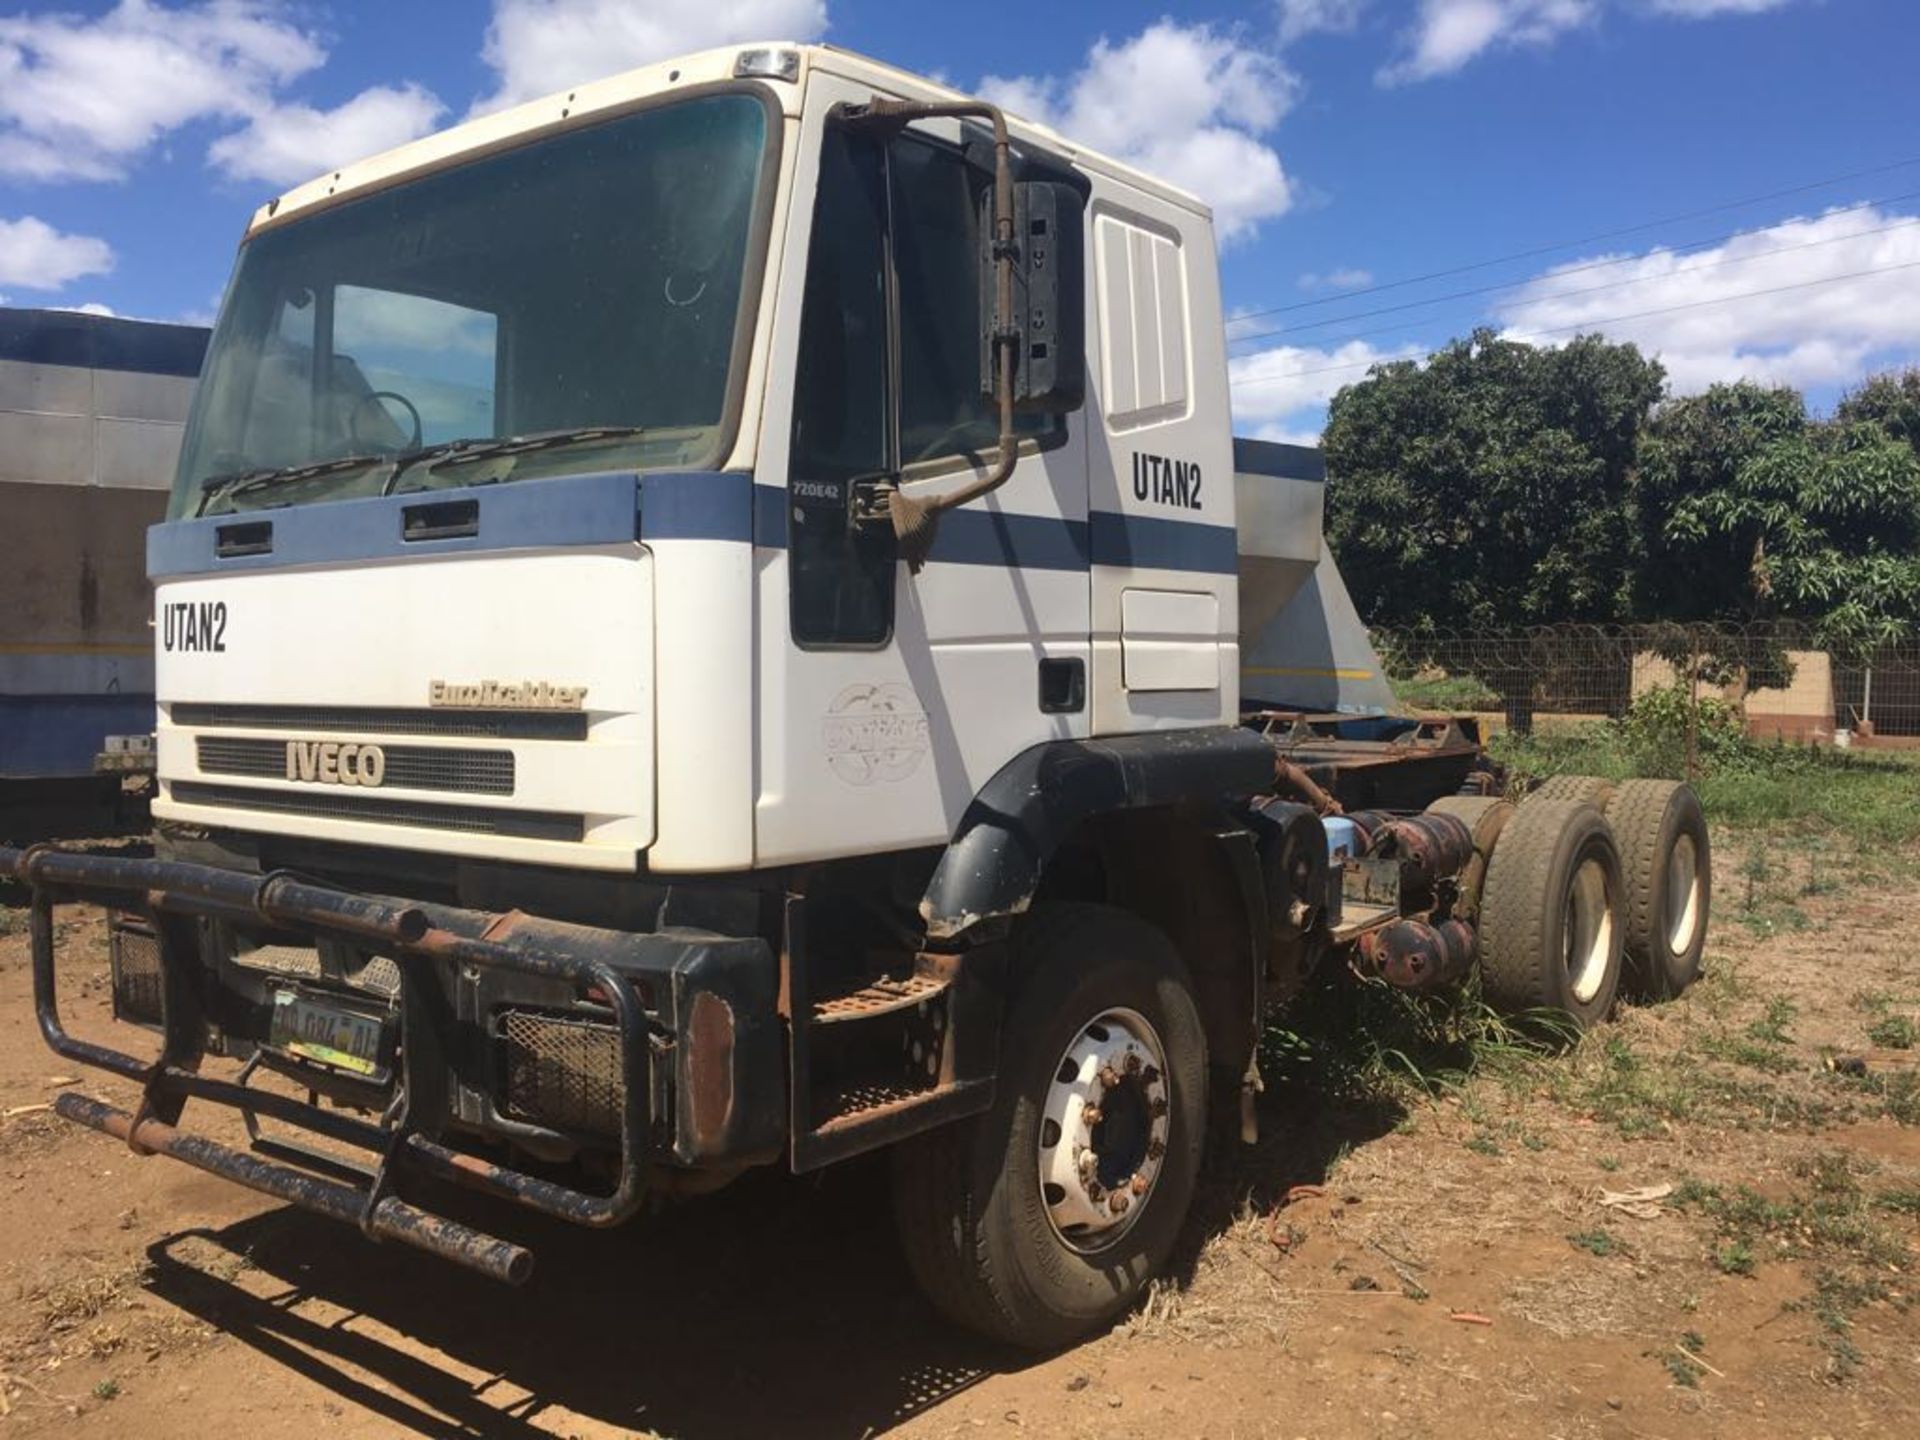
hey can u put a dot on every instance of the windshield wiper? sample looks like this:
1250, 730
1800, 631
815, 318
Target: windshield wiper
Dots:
241, 482
462, 452
446, 452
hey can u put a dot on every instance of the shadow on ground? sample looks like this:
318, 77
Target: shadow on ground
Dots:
779, 1305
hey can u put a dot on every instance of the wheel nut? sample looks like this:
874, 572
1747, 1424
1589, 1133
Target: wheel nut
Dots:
1090, 1114
1119, 1201
1155, 1149
1158, 1108
1138, 1185
1096, 1191
1133, 1062
1109, 1077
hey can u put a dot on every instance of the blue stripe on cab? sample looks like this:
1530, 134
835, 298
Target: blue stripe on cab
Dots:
565, 510
1148, 542
697, 505
615, 506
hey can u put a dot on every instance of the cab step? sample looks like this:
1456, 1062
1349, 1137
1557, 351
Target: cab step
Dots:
883, 996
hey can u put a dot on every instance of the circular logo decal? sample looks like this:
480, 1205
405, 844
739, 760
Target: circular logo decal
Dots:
875, 733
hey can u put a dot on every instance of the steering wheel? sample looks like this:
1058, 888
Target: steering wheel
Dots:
373, 397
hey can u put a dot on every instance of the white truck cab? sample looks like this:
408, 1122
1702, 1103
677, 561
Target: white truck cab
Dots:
700, 623
787, 302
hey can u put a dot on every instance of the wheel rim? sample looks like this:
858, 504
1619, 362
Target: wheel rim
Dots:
1588, 930
1683, 895
1103, 1130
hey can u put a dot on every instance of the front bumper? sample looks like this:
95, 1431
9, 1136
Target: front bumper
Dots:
687, 1021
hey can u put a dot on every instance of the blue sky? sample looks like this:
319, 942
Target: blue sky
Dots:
1347, 145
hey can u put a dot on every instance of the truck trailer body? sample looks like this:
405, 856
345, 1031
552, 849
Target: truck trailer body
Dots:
717, 619
91, 410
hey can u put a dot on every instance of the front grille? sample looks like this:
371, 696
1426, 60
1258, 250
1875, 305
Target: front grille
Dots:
411, 767
467, 819
387, 720
133, 955
562, 1071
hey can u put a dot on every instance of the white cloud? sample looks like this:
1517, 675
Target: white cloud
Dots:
536, 47
1347, 277
1702, 9
286, 144
1186, 103
1447, 34
1826, 322
35, 255
1289, 434
1284, 383
82, 97
1299, 18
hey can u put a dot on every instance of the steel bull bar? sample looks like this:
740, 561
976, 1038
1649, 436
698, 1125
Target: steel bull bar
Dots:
173, 895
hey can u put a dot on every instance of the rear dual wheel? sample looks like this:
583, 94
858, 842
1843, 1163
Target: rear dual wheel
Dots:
1045, 1217
1668, 869
1550, 932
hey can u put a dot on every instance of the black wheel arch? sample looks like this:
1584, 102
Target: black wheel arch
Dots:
1156, 811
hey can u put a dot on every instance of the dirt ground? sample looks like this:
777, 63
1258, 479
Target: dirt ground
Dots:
1453, 1266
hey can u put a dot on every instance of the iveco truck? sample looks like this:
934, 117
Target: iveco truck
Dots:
717, 620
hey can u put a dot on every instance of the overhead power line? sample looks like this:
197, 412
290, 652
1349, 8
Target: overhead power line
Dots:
1908, 222
1539, 250
1692, 247
1587, 325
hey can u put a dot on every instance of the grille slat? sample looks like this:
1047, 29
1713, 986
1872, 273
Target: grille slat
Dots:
134, 961
562, 1071
468, 819
411, 767
386, 720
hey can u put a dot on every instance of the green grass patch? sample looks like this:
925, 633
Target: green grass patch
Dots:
1829, 1219
1872, 799
1894, 1032
1595, 1242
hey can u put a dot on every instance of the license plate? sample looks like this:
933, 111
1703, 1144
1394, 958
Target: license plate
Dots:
330, 1034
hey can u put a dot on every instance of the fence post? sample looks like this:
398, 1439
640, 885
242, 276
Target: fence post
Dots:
1693, 710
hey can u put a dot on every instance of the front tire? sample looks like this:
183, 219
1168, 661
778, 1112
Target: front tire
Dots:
1032, 1223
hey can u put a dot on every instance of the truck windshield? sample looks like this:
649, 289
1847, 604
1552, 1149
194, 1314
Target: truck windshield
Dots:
589, 289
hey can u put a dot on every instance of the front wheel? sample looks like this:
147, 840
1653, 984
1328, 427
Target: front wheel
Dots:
1045, 1217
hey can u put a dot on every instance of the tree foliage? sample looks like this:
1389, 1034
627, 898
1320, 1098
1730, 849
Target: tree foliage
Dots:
1500, 485
1750, 511
1489, 486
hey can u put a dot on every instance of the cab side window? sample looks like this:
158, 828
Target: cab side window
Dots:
889, 368
841, 575
939, 202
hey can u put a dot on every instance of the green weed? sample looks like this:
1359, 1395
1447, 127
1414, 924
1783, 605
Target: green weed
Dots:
1894, 1032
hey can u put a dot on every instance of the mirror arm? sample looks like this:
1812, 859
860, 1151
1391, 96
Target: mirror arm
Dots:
913, 519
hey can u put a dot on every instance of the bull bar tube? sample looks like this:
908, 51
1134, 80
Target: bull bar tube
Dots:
172, 892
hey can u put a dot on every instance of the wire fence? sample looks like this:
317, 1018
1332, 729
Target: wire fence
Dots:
1780, 678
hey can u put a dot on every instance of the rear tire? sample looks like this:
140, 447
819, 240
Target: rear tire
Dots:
995, 1243
1550, 931
1587, 789
1667, 864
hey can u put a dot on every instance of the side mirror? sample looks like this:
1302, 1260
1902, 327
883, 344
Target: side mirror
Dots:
1049, 298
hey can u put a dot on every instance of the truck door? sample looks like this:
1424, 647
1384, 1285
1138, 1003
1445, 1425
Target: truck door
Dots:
1165, 555
889, 698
